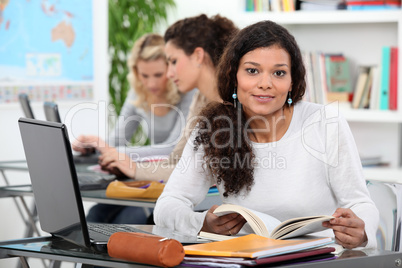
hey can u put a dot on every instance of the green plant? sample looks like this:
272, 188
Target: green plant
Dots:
129, 20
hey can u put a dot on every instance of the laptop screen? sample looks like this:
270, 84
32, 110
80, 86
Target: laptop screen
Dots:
58, 200
26, 105
51, 111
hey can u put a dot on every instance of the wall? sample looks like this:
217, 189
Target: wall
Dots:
85, 120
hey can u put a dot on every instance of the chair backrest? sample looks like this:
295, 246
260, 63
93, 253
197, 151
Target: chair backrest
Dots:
51, 112
385, 196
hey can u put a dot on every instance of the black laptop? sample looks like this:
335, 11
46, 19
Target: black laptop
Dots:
51, 111
52, 114
87, 181
49, 149
55, 186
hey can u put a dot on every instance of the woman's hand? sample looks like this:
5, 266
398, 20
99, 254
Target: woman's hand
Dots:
229, 224
348, 228
87, 144
117, 163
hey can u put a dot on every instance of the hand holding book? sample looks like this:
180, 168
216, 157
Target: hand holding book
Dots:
260, 223
228, 224
348, 228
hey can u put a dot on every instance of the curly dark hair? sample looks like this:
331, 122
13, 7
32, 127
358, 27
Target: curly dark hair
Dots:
222, 132
212, 34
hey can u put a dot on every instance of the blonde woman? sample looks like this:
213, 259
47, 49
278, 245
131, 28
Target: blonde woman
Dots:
153, 102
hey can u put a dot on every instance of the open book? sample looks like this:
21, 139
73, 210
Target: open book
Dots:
268, 226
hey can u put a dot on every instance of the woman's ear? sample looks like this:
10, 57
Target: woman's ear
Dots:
199, 54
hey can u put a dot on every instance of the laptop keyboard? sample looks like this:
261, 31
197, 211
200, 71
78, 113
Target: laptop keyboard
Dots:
88, 181
109, 229
94, 177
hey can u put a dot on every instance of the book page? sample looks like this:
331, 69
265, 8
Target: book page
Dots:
268, 221
262, 224
300, 226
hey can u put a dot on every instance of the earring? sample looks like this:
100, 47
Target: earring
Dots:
234, 96
289, 99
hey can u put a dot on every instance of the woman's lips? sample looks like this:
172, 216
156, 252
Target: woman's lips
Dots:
263, 98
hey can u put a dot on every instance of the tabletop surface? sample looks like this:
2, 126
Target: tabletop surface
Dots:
58, 249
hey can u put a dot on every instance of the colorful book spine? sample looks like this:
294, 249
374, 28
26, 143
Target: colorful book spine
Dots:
337, 73
249, 5
384, 90
362, 78
393, 79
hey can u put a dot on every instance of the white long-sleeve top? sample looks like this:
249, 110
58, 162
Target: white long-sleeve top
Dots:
312, 170
163, 131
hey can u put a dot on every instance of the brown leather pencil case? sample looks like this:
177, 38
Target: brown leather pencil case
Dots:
145, 248
134, 189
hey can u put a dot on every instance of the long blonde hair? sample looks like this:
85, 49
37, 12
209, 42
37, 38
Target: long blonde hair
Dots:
149, 47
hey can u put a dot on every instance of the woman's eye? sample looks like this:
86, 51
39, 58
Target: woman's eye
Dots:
279, 73
252, 71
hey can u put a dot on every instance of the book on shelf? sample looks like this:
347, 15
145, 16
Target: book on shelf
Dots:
310, 88
323, 253
384, 88
276, 5
269, 5
365, 100
374, 96
320, 5
393, 79
255, 246
361, 86
337, 73
373, 4
328, 77
288, 5
319, 77
268, 226
323, 75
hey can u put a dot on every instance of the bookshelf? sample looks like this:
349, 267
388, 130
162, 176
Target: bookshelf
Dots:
392, 175
370, 116
360, 36
323, 17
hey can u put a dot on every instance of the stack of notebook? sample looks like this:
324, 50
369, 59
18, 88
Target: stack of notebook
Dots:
252, 250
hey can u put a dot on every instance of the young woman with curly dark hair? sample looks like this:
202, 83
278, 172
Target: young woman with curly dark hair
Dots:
268, 150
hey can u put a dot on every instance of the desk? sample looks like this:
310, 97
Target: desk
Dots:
59, 250
97, 196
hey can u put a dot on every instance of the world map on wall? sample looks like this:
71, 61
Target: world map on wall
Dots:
47, 42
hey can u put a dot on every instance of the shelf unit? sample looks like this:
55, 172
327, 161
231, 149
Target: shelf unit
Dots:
359, 35
391, 175
323, 17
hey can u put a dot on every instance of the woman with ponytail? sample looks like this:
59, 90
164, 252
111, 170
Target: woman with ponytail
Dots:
193, 48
